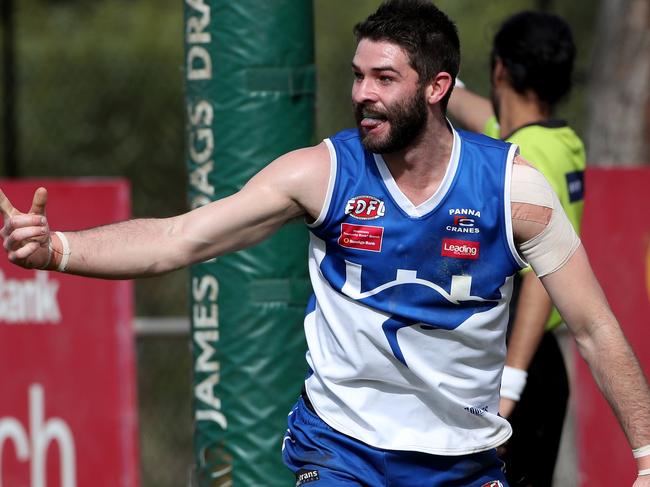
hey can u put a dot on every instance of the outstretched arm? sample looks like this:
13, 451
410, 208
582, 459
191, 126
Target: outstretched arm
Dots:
470, 109
291, 186
556, 255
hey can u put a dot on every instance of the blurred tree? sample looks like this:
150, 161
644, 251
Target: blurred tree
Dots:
619, 97
9, 140
100, 93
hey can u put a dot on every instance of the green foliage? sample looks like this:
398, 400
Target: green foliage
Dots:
100, 94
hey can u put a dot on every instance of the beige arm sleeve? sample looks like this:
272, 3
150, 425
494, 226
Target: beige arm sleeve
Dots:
531, 196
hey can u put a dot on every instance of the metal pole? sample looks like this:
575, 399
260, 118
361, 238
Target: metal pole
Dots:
10, 152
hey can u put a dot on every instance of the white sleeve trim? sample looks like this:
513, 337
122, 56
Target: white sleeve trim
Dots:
507, 204
330, 185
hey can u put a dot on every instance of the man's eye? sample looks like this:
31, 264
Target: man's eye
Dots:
357, 76
385, 80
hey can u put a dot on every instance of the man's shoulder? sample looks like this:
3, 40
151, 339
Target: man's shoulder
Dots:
346, 145
346, 136
482, 140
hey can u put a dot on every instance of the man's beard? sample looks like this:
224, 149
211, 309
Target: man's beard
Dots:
407, 120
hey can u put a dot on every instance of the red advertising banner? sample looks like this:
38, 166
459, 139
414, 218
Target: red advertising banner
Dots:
616, 234
67, 369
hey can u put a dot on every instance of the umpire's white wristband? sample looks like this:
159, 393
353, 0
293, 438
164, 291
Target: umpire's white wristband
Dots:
513, 382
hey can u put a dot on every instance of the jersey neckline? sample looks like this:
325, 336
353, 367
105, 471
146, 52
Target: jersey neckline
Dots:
434, 200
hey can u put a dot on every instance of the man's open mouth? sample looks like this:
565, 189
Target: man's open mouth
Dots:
371, 120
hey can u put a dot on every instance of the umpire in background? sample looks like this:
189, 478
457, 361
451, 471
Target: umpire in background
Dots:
531, 65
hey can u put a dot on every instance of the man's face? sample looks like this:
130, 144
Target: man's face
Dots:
388, 101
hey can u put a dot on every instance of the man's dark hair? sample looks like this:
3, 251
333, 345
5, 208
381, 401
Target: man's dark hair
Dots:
537, 50
428, 36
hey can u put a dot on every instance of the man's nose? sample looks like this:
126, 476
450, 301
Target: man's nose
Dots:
364, 91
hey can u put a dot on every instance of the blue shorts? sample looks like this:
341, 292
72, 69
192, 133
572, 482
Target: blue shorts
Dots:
320, 455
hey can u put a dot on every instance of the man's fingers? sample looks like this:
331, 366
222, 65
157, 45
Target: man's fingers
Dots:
20, 236
39, 202
24, 252
6, 207
27, 220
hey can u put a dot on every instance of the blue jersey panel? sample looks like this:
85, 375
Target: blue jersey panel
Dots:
406, 265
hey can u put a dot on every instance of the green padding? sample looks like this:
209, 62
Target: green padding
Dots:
290, 291
250, 98
294, 81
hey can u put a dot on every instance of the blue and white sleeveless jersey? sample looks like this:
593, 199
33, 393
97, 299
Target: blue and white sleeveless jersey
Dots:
406, 329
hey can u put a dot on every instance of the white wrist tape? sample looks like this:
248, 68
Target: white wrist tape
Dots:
642, 451
645, 471
65, 252
513, 382
49, 257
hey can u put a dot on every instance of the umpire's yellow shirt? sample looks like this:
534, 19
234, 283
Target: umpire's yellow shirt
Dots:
555, 150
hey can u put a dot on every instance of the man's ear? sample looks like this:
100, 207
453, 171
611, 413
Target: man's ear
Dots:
499, 72
438, 87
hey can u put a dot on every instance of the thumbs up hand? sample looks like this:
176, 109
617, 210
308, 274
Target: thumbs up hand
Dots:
26, 236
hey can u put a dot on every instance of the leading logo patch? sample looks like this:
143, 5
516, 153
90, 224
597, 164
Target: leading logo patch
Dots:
460, 249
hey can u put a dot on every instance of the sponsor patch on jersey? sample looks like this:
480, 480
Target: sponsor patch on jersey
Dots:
365, 207
361, 237
469, 212
464, 220
460, 249
476, 410
492, 483
306, 476
575, 182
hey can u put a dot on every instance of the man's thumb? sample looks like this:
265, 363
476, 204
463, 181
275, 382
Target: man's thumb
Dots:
39, 202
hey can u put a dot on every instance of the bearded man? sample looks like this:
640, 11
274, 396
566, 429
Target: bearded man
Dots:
406, 328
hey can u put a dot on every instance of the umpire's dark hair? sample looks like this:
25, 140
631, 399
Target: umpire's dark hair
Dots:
537, 50
428, 36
